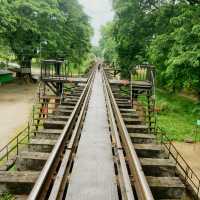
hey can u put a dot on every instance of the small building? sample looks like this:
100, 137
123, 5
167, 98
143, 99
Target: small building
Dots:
54, 75
5, 76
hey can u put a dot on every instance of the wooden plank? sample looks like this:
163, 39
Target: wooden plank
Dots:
141, 83
21, 197
93, 175
77, 80
34, 155
135, 83
166, 187
18, 177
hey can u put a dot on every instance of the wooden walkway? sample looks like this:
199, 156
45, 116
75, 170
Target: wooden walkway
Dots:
93, 174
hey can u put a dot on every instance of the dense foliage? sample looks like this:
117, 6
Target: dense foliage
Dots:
47, 28
176, 51
109, 53
163, 33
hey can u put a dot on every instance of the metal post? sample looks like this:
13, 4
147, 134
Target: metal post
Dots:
40, 51
186, 173
177, 158
149, 111
28, 132
169, 149
17, 145
131, 91
33, 114
162, 138
7, 152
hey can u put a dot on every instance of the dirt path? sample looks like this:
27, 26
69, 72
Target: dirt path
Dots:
190, 152
16, 102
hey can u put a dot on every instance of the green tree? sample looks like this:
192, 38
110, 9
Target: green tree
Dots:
163, 33
78, 32
108, 44
176, 50
58, 27
133, 30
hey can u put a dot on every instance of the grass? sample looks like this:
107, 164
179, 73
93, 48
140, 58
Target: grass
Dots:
7, 196
178, 116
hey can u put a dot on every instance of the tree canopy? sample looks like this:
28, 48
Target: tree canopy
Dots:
108, 44
50, 28
163, 33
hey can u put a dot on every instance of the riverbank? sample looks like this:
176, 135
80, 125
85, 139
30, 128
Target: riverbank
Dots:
16, 102
178, 116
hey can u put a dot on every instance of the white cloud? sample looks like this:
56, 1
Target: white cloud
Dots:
100, 12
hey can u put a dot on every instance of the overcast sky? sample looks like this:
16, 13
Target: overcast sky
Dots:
100, 12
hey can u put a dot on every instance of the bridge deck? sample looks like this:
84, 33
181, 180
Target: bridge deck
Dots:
93, 173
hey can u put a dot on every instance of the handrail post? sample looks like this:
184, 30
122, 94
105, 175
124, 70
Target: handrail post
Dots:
186, 173
169, 149
131, 84
177, 154
28, 132
7, 152
162, 138
33, 114
17, 146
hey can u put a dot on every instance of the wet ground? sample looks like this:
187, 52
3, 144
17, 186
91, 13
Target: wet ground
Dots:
191, 153
16, 102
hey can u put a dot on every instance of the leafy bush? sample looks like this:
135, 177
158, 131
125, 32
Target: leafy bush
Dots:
6, 196
163, 107
2, 65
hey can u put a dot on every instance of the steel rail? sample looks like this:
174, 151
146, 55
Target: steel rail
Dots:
63, 173
43, 182
141, 186
124, 180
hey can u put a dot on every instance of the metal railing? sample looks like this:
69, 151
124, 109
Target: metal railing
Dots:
53, 69
187, 174
40, 111
11, 150
140, 76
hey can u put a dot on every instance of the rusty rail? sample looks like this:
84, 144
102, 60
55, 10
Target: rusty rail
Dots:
140, 183
186, 172
124, 181
61, 179
46, 178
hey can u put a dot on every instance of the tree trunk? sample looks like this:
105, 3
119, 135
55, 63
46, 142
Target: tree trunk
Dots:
198, 96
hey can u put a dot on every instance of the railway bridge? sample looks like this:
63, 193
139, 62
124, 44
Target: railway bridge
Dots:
89, 141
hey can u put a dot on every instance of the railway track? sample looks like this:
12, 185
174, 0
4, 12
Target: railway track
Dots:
46, 149
152, 174
126, 164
